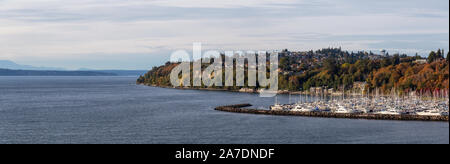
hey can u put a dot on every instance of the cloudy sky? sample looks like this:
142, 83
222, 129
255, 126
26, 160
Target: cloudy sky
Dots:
138, 34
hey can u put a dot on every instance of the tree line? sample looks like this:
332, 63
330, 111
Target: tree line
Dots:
334, 68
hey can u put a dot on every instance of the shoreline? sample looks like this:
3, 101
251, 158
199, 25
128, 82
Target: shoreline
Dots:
226, 90
255, 92
197, 89
240, 108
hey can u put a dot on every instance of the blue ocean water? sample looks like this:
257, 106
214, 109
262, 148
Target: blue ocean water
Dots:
115, 110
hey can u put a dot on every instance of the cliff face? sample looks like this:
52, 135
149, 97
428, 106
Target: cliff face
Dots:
158, 76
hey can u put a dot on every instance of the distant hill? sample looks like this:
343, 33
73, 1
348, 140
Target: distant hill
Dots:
6, 64
10, 68
121, 72
9, 72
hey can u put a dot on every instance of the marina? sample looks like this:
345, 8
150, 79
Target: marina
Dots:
243, 108
413, 104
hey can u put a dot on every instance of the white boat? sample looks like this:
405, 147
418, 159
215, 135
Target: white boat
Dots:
384, 112
362, 109
305, 108
391, 111
342, 109
297, 108
308, 109
277, 107
430, 113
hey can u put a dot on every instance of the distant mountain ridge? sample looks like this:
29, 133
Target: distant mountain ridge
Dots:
6, 64
8, 72
10, 68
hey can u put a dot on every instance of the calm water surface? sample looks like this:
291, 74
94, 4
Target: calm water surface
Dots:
115, 110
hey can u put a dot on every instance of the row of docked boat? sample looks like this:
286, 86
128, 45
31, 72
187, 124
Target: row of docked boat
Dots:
383, 105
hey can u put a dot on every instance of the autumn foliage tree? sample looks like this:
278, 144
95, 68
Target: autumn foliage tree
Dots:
338, 68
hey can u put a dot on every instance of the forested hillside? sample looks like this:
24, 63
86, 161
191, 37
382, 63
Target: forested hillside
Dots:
334, 68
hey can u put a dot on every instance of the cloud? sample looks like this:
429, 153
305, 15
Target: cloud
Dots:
51, 31
225, 3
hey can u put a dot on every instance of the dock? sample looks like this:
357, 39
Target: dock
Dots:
242, 108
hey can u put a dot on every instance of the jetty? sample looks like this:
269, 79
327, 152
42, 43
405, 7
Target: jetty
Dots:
243, 108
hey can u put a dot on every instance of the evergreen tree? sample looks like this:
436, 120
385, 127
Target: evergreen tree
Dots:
396, 59
386, 62
331, 65
432, 57
439, 54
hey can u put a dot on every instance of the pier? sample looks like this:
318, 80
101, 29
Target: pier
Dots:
242, 108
